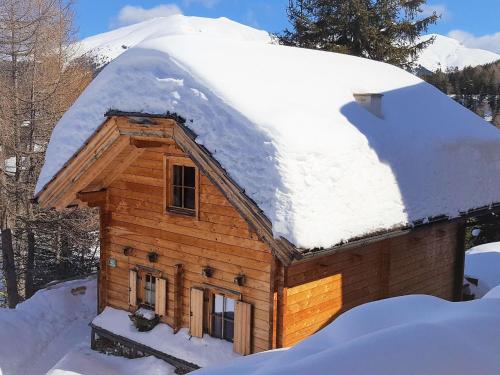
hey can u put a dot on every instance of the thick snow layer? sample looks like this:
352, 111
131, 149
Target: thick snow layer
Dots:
447, 52
483, 263
39, 331
284, 124
405, 335
202, 352
83, 361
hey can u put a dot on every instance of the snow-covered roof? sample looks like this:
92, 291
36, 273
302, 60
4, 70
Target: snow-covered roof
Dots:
284, 124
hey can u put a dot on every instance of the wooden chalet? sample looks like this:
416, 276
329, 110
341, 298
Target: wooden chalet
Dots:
304, 183
180, 237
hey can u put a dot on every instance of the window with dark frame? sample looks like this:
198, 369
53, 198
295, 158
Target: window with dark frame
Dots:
149, 290
222, 317
183, 188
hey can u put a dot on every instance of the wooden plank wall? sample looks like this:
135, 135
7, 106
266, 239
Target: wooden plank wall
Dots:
220, 239
318, 290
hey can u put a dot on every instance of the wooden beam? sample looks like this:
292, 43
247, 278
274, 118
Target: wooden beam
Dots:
178, 293
141, 143
95, 146
93, 198
459, 262
91, 172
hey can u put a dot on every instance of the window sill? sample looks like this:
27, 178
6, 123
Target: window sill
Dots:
182, 211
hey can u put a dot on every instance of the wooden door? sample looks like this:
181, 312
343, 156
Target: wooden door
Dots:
132, 287
242, 328
161, 297
196, 313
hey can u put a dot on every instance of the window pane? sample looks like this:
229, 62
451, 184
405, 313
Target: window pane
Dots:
228, 330
177, 175
229, 311
189, 198
177, 196
189, 175
218, 303
217, 326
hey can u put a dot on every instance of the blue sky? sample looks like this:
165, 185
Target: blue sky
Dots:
474, 22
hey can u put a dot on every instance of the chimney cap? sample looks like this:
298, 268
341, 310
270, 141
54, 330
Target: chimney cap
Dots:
372, 102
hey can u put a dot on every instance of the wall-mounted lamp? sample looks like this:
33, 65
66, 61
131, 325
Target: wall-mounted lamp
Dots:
112, 262
127, 251
153, 257
239, 280
207, 271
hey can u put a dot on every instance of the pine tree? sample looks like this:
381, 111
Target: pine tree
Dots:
383, 30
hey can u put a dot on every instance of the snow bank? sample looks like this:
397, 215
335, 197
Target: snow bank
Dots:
284, 124
42, 329
447, 52
203, 352
406, 335
483, 263
83, 361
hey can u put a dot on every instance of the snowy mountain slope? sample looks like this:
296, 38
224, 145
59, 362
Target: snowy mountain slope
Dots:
447, 52
108, 46
321, 167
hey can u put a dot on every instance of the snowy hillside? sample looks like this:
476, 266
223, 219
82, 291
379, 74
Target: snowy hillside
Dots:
447, 52
110, 45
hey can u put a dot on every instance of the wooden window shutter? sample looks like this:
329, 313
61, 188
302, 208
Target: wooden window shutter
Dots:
132, 287
161, 297
242, 328
196, 313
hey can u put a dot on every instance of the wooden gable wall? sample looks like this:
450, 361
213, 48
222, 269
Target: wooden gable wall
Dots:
423, 261
134, 217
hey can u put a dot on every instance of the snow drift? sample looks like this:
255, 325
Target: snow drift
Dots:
405, 335
284, 124
482, 262
35, 334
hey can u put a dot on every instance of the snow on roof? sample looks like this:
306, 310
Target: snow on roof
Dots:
283, 122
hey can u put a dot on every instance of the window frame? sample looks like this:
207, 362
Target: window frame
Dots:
212, 294
141, 296
168, 167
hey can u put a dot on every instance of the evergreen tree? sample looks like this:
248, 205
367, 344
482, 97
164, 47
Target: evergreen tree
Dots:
383, 30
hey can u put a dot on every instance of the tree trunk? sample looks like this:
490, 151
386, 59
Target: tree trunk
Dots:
9, 268
30, 267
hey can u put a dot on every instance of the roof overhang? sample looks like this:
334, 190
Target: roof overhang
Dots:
119, 141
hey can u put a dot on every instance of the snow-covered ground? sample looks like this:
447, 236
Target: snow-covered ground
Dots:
83, 361
405, 335
36, 334
447, 52
202, 352
483, 263
51, 330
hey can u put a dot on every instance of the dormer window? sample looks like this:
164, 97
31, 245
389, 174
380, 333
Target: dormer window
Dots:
182, 196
